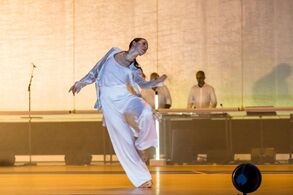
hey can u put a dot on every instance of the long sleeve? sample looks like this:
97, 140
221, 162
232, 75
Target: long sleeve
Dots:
213, 98
167, 95
138, 78
92, 75
191, 99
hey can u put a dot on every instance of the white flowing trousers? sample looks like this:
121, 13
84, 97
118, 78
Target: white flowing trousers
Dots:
131, 126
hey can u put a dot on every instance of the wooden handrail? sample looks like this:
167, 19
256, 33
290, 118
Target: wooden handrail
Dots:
49, 112
173, 110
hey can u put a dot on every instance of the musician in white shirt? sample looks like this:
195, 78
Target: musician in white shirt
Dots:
201, 95
164, 97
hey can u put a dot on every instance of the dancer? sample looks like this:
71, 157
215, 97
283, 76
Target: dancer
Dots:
128, 118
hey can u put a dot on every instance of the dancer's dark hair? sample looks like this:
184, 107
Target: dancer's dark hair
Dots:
136, 64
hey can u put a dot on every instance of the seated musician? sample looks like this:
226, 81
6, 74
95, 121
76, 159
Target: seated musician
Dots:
201, 95
164, 97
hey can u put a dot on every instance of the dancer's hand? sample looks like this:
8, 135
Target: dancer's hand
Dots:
75, 88
161, 78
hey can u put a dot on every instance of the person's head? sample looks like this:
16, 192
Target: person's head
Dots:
154, 76
140, 45
200, 77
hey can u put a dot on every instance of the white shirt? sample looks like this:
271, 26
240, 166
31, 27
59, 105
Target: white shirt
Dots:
163, 95
202, 97
96, 73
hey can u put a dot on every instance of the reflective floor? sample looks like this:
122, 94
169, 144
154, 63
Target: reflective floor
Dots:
110, 179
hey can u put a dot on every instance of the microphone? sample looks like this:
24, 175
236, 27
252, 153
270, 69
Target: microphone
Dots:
32, 75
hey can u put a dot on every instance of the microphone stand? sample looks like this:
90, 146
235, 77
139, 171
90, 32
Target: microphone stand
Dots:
30, 163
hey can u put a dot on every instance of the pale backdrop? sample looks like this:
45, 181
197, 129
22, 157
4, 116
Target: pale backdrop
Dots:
245, 47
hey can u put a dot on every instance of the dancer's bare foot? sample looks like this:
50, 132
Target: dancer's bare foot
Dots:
144, 155
147, 184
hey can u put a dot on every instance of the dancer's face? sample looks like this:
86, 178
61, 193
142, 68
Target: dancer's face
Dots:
141, 46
